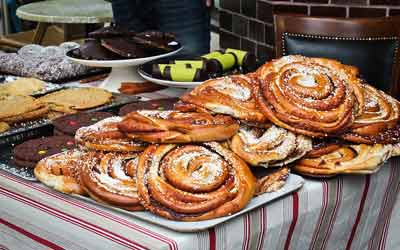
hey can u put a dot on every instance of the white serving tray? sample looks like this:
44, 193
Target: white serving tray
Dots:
293, 183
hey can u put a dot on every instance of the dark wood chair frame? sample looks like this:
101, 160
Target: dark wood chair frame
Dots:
384, 28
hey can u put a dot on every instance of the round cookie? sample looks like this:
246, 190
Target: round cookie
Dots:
30, 152
158, 104
68, 124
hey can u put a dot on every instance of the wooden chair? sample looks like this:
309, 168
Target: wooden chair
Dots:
371, 44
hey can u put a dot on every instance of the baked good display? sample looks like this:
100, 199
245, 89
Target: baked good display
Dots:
92, 49
61, 171
18, 108
68, 124
44, 63
377, 121
269, 147
177, 127
231, 95
193, 182
111, 178
309, 96
111, 31
73, 99
347, 159
28, 153
22, 86
124, 47
268, 181
105, 136
156, 104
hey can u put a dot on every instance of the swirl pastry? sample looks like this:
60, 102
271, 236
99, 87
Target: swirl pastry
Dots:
308, 96
227, 95
105, 136
193, 182
347, 159
273, 146
177, 127
61, 171
111, 178
271, 182
377, 119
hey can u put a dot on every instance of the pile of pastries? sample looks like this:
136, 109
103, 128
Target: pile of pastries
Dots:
310, 115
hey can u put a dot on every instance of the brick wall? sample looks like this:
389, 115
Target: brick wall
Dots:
248, 24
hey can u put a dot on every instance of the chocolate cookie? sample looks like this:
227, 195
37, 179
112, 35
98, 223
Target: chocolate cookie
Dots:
68, 124
30, 152
160, 104
124, 47
111, 31
92, 50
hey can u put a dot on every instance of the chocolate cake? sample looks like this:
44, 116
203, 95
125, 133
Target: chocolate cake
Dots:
110, 32
93, 50
124, 47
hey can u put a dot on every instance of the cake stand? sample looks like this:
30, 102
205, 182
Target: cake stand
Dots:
125, 70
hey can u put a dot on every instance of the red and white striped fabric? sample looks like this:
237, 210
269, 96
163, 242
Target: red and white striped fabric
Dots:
347, 212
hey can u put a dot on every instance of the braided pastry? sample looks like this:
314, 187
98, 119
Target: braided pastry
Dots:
308, 96
177, 127
111, 178
377, 119
269, 147
227, 95
348, 159
193, 182
105, 136
61, 171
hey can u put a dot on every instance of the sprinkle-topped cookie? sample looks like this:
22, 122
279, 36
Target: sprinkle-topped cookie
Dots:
30, 152
67, 125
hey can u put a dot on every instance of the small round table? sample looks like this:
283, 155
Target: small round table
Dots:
64, 11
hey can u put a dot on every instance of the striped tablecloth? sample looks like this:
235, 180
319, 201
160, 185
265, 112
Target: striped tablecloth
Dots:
346, 212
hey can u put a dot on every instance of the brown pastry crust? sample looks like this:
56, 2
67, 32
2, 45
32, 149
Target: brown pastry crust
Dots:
111, 178
193, 182
272, 182
309, 96
348, 159
231, 95
61, 171
177, 127
105, 136
377, 120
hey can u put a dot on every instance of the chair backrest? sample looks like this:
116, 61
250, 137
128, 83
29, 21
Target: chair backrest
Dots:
371, 44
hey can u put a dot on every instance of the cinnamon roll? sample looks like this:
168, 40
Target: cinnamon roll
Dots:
177, 127
105, 136
193, 182
268, 181
273, 146
230, 95
309, 96
348, 159
377, 120
61, 171
111, 178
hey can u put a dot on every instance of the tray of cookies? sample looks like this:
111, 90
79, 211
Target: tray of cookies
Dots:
15, 85
23, 116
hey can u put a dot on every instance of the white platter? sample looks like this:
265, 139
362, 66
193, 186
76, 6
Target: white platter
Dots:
175, 84
293, 183
122, 70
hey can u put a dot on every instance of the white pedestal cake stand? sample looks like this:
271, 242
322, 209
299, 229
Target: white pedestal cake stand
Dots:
125, 70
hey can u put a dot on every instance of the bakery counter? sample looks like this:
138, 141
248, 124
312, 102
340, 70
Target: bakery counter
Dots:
346, 212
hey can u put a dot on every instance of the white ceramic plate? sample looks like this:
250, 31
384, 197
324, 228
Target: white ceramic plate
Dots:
123, 62
293, 183
175, 84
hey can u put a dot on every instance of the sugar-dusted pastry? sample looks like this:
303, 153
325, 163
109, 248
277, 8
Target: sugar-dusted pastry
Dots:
269, 147
61, 171
347, 159
105, 136
193, 182
177, 127
230, 95
309, 96
377, 119
111, 178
